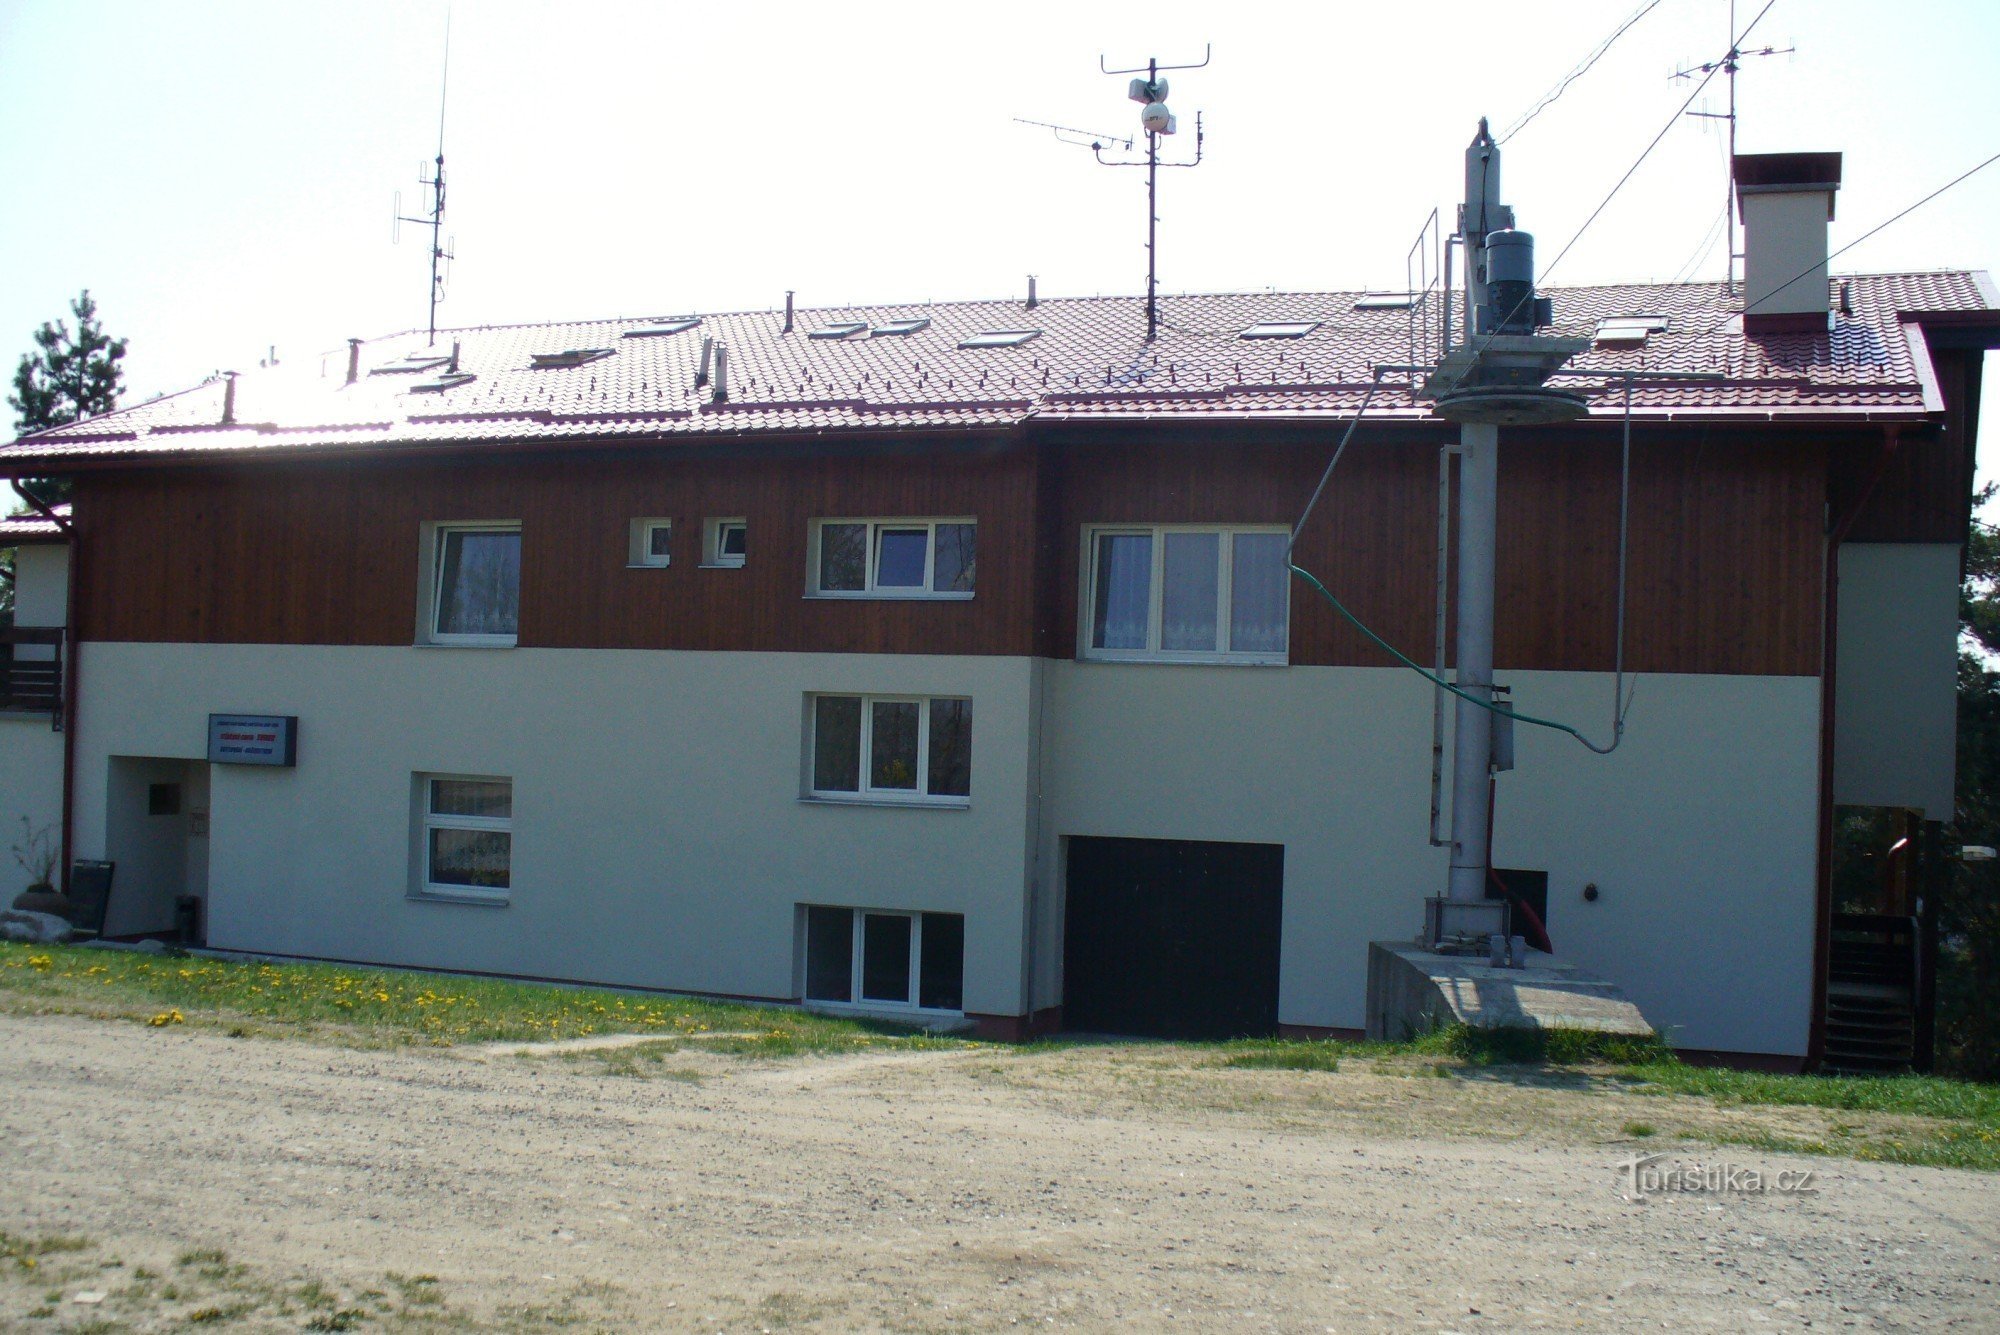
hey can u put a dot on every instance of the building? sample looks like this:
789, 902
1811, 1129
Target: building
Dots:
940, 660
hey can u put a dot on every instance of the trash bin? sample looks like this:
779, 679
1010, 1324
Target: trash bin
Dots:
187, 919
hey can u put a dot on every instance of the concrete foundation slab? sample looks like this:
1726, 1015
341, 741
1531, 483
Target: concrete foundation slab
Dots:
1412, 990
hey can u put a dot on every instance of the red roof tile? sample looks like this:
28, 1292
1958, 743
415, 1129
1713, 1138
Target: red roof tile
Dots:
1090, 361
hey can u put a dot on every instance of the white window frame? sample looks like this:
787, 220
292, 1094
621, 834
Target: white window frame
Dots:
858, 924
875, 526
431, 584
864, 794
712, 555
640, 552
428, 820
1156, 597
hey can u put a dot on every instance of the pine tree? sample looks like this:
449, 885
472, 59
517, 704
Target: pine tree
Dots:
68, 378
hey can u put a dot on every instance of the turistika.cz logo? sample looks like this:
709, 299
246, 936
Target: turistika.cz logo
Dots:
1652, 1175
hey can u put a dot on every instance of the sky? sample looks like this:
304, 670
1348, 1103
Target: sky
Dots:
221, 176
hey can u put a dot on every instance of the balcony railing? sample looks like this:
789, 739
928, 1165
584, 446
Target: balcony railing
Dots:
31, 671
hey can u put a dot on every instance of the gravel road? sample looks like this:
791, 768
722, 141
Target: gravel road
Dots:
922, 1191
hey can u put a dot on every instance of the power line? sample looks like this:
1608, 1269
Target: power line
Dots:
1578, 72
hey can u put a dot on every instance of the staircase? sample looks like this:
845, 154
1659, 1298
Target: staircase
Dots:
1871, 1012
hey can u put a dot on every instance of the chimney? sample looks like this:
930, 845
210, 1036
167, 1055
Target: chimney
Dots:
229, 398
788, 312
721, 390
353, 360
451, 367
1031, 292
707, 360
1785, 201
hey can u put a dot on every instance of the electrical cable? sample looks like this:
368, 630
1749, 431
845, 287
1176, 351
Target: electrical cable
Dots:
1578, 72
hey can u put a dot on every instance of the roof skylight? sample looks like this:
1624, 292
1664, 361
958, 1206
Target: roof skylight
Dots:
1628, 330
550, 361
416, 361
902, 326
840, 329
999, 338
449, 380
675, 326
1280, 329
1385, 301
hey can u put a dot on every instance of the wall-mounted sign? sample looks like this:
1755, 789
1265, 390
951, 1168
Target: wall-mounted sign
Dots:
253, 739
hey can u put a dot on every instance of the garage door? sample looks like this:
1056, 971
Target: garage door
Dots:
1172, 938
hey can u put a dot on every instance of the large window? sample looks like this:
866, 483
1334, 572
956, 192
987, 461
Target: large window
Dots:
890, 748
885, 958
1186, 594
474, 580
893, 558
466, 837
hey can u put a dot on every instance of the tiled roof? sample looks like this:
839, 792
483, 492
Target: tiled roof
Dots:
29, 528
1090, 360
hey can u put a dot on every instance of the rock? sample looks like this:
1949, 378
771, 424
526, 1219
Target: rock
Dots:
41, 929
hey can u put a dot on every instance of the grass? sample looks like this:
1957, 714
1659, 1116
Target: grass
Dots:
391, 1008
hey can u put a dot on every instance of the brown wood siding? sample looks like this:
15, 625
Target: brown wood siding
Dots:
328, 553
1726, 539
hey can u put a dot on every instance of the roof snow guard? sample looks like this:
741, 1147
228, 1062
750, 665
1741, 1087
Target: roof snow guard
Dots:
955, 367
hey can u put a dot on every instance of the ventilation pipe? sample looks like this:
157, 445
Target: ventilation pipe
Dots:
353, 360
1032, 300
707, 360
451, 367
229, 398
721, 391
1785, 201
788, 312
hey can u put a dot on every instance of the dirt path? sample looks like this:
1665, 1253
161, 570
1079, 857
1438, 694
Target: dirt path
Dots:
925, 1192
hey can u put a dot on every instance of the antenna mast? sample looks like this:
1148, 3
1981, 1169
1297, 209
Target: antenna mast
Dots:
441, 253
1729, 65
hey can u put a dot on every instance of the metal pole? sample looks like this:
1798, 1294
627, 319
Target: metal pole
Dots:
1152, 218
1472, 751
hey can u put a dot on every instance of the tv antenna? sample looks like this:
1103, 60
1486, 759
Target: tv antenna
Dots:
441, 248
1155, 121
1729, 65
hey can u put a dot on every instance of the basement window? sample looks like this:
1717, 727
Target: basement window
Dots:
896, 327
1280, 329
664, 327
1385, 301
890, 749
878, 958
844, 329
552, 361
1000, 338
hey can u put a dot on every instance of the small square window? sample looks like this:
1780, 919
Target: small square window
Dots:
466, 838
473, 578
890, 749
895, 558
652, 542
725, 542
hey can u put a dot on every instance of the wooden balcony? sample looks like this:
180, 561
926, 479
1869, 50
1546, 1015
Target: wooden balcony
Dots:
31, 671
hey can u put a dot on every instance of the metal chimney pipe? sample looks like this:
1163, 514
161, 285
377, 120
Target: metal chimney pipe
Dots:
452, 365
1032, 303
721, 391
1472, 733
707, 359
353, 360
788, 312
229, 398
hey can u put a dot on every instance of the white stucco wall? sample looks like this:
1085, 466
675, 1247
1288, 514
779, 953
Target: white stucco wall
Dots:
1700, 830
30, 786
1895, 683
41, 585
658, 836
